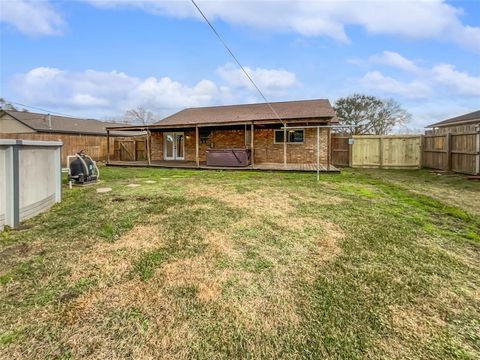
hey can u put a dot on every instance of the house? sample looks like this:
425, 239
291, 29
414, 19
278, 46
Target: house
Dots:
290, 135
75, 133
454, 144
459, 124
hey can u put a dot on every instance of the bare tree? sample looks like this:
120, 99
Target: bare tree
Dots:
370, 115
5, 105
140, 115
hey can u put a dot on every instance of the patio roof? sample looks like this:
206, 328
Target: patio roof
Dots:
319, 110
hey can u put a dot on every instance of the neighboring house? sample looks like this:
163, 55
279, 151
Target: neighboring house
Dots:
190, 137
76, 134
454, 144
459, 124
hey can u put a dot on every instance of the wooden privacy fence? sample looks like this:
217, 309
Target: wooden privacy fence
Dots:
459, 152
387, 151
94, 145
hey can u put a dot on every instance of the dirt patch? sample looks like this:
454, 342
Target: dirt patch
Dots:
103, 190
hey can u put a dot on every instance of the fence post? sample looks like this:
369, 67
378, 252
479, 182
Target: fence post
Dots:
422, 147
380, 151
477, 148
108, 147
449, 151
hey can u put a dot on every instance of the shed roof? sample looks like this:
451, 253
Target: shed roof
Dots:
61, 124
287, 110
462, 119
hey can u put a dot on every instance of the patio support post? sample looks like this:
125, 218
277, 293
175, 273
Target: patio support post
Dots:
149, 155
197, 157
318, 154
252, 149
108, 146
284, 146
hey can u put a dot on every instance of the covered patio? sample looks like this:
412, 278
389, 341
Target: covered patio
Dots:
203, 165
240, 137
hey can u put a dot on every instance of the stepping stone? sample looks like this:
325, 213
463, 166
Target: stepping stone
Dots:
150, 181
133, 185
103, 190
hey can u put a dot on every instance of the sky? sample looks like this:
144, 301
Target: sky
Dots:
99, 58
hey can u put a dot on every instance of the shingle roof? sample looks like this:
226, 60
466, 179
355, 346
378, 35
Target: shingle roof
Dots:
466, 118
61, 124
287, 110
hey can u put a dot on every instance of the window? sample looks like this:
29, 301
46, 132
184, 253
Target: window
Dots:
293, 136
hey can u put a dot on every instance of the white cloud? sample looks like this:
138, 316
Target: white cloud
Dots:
31, 17
165, 93
113, 92
434, 19
458, 82
396, 60
270, 81
375, 80
439, 80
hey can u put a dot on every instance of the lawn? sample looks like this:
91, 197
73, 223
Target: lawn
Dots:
221, 265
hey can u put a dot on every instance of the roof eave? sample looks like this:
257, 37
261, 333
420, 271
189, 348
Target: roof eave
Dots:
48, 131
325, 118
453, 123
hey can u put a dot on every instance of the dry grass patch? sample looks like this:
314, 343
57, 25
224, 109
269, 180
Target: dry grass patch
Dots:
114, 259
257, 201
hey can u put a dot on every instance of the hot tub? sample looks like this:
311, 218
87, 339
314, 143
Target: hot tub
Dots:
228, 157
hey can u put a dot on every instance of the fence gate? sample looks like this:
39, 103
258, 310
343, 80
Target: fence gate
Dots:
340, 150
130, 149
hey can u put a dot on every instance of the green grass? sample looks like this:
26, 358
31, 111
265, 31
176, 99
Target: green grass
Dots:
219, 264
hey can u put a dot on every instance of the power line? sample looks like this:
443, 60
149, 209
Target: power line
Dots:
236, 60
41, 109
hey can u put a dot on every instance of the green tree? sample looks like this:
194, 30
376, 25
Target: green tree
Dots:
366, 114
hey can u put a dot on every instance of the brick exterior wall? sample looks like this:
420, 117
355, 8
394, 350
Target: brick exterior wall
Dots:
266, 151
